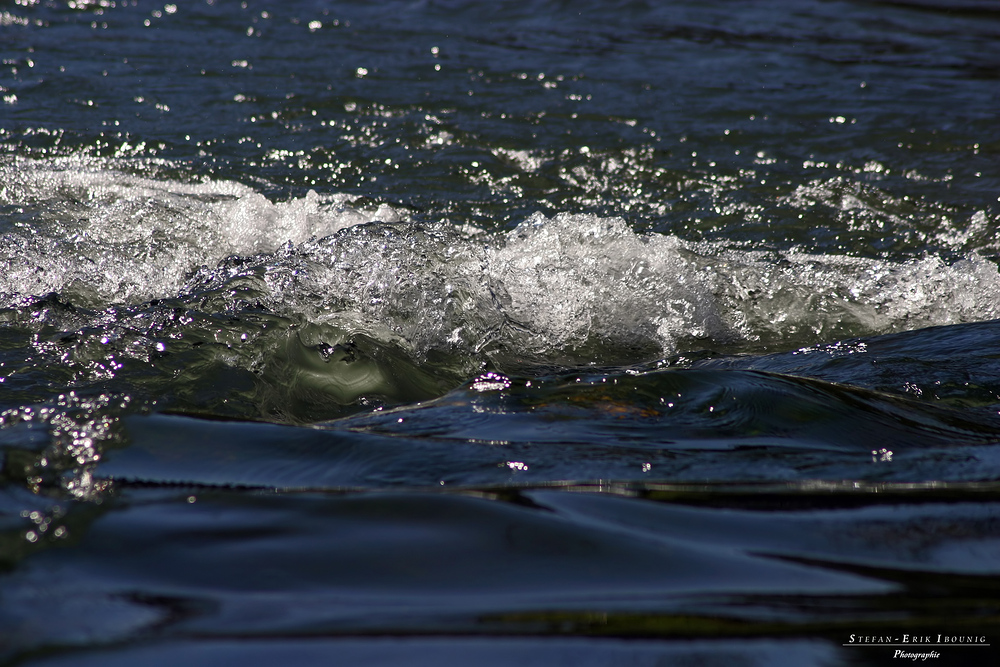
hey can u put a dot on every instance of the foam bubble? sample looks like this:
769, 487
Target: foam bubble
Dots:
583, 277
831, 297
582, 287
574, 287
104, 235
578, 279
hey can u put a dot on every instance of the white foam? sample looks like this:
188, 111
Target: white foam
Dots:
793, 295
576, 279
577, 285
580, 277
524, 160
112, 236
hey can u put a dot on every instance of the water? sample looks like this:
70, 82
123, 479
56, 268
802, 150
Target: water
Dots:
458, 332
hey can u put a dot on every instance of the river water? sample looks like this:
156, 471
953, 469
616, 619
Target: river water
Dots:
454, 332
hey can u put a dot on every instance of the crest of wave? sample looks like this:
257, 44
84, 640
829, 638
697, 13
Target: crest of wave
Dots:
799, 297
571, 287
577, 281
574, 284
103, 235
590, 287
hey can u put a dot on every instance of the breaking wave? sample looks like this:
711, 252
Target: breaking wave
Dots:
570, 288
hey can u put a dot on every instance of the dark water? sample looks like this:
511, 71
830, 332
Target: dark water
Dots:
537, 333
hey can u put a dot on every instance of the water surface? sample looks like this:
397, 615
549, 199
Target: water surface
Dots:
463, 332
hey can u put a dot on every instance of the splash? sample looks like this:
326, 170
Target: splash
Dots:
101, 235
573, 288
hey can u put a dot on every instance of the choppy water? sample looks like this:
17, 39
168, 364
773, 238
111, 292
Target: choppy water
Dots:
486, 333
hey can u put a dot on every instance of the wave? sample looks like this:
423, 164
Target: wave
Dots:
105, 236
573, 288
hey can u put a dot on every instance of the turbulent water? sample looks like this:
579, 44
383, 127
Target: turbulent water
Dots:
456, 332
